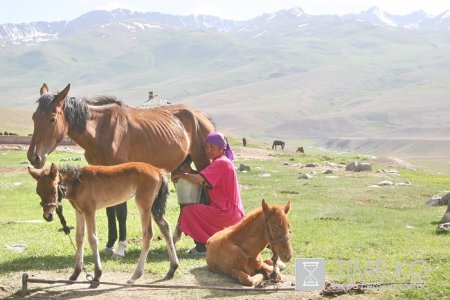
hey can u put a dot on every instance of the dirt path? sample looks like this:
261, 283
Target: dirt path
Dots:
199, 277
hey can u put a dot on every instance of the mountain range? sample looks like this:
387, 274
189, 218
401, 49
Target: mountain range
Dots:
287, 75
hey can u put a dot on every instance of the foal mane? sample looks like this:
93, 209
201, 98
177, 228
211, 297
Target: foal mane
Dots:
247, 220
73, 171
76, 111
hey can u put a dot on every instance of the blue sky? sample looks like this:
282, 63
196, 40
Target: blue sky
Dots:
17, 11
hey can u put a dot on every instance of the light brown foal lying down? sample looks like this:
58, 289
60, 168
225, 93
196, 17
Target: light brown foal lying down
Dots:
94, 187
236, 250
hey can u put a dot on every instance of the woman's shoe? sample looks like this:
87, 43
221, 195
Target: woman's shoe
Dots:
194, 251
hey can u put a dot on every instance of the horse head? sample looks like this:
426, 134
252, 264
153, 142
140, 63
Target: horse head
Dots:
50, 125
47, 189
278, 229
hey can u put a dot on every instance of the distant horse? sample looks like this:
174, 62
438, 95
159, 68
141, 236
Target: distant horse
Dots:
94, 187
278, 143
244, 142
236, 250
112, 133
300, 150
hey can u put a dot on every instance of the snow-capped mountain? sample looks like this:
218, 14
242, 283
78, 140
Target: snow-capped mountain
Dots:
287, 20
36, 32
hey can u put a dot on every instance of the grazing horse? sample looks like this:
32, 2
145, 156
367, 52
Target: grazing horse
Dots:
94, 187
300, 150
236, 250
112, 133
278, 143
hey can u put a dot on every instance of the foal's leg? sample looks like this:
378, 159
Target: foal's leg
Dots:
246, 279
147, 234
93, 241
79, 237
165, 230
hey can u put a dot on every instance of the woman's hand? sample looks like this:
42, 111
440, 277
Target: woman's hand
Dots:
175, 175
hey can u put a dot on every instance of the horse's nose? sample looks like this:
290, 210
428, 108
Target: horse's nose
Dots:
48, 218
287, 256
37, 161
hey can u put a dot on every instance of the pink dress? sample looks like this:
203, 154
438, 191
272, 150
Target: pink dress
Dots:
201, 221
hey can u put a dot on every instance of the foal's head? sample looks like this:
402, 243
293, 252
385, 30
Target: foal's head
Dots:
47, 189
279, 229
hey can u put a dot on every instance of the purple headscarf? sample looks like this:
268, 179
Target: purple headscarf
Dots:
216, 138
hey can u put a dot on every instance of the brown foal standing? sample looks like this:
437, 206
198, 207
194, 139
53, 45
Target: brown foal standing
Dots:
94, 187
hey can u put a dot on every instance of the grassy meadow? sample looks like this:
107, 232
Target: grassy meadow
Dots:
366, 234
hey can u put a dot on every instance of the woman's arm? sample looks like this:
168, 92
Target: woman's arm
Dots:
193, 178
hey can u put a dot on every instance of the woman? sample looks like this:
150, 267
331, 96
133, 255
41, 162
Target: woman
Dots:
201, 221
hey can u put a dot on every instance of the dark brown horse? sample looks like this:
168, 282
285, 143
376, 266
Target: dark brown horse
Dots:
236, 250
112, 133
278, 143
94, 187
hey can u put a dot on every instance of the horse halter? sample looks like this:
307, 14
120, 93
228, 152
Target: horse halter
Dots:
277, 240
61, 191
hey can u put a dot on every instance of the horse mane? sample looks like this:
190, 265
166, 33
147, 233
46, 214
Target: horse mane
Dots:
76, 111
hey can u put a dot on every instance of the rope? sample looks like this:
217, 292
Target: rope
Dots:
163, 286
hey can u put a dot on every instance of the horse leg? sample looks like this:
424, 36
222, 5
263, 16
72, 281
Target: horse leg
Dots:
112, 228
79, 237
246, 279
147, 234
177, 232
164, 227
93, 242
121, 212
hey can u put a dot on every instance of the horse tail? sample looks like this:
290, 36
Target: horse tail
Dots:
159, 205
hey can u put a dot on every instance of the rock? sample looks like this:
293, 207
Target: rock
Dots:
243, 167
446, 217
331, 164
434, 201
406, 183
360, 167
385, 183
312, 165
19, 248
264, 175
328, 171
304, 176
445, 199
286, 164
351, 166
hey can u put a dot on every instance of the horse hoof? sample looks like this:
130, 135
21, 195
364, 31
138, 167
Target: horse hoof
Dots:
131, 281
94, 284
275, 277
169, 276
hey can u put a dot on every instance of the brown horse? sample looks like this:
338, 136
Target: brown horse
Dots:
112, 133
94, 187
236, 250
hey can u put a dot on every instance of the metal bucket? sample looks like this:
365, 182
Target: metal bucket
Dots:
187, 192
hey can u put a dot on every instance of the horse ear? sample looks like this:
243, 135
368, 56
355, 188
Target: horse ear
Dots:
34, 173
287, 207
265, 207
44, 89
62, 96
54, 171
